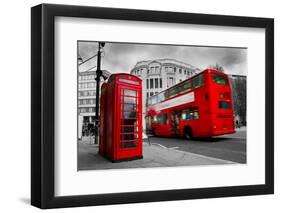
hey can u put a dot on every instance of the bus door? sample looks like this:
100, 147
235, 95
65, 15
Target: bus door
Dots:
174, 121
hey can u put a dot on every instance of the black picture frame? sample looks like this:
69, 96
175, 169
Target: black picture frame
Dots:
43, 105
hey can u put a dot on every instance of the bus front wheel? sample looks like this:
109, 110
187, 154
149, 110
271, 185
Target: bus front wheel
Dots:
188, 133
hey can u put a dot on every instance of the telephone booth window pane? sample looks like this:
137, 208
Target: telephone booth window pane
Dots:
128, 125
130, 114
126, 129
129, 144
129, 136
131, 100
130, 92
129, 107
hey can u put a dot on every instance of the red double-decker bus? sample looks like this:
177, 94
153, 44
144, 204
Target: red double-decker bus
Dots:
197, 107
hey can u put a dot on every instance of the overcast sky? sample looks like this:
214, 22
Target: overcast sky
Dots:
122, 57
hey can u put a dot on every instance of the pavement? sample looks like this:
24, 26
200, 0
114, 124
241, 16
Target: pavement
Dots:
154, 155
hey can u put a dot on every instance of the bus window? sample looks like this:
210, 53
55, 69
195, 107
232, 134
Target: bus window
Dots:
166, 94
224, 105
219, 79
186, 86
173, 91
189, 114
197, 81
162, 118
195, 114
161, 97
148, 101
154, 119
183, 115
186, 114
154, 99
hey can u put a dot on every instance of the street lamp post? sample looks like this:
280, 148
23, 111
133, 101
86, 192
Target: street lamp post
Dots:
98, 76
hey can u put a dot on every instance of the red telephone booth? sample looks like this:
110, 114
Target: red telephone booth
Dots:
121, 118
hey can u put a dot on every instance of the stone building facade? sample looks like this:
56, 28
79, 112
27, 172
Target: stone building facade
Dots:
158, 75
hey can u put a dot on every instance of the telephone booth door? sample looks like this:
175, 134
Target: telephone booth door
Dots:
130, 143
121, 118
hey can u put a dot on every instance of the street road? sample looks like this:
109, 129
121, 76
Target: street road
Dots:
227, 147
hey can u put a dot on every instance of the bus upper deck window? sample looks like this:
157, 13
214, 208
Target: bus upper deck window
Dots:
186, 86
154, 100
161, 97
219, 79
198, 81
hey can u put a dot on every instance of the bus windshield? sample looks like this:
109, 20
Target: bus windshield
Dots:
219, 79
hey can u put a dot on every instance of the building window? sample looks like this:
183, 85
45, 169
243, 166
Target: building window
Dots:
156, 83
151, 83
175, 69
170, 81
91, 93
147, 84
91, 85
160, 82
151, 93
180, 71
147, 95
185, 72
